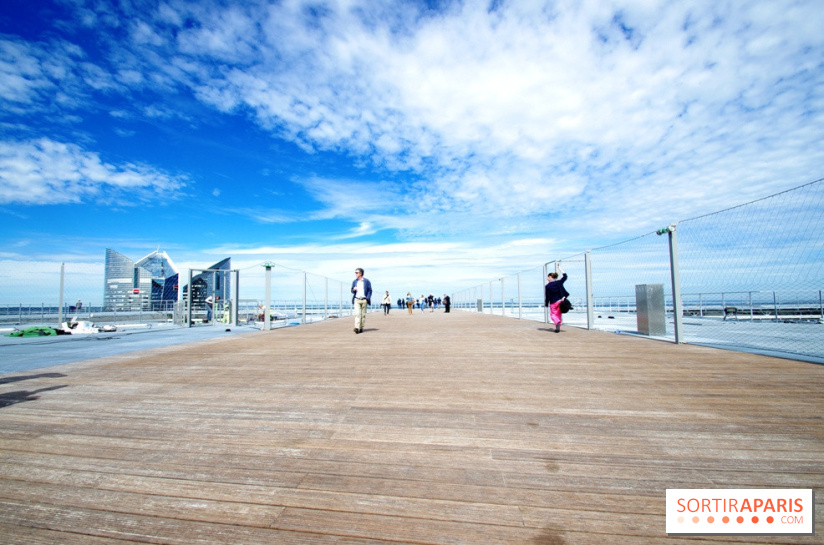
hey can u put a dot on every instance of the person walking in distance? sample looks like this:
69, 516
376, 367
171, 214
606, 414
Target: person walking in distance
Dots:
361, 298
387, 303
554, 293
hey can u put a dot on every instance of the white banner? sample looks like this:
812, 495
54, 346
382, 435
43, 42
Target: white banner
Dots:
765, 512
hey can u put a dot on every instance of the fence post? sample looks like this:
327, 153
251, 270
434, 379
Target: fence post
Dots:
236, 304
188, 302
267, 321
590, 309
60, 307
821, 305
303, 320
676, 281
326, 298
503, 298
520, 309
543, 283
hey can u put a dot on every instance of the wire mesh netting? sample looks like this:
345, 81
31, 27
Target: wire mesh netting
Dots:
752, 275
296, 297
747, 278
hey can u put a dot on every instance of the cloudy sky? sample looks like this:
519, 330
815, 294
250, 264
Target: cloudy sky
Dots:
452, 142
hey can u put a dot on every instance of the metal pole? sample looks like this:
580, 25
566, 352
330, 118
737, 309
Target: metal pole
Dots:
520, 309
590, 309
188, 301
821, 304
775, 305
544, 282
267, 320
236, 302
303, 321
60, 304
503, 299
491, 299
676, 285
214, 297
326, 299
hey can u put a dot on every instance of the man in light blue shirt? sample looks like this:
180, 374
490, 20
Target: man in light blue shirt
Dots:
361, 298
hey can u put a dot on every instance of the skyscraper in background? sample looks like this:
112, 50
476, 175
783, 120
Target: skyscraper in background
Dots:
151, 283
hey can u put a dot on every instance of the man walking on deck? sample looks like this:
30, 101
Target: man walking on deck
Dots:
361, 298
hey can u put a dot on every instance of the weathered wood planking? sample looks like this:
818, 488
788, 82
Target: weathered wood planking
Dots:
430, 428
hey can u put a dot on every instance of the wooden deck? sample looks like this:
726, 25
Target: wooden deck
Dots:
431, 428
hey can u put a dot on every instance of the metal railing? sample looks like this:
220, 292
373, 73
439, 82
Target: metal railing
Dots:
749, 278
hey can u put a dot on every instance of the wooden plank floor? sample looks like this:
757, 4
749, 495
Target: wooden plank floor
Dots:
430, 428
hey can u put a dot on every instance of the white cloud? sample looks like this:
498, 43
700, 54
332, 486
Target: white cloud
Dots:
47, 172
514, 111
398, 267
576, 115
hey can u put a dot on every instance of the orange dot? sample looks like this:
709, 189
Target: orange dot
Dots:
770, 520
680, 520
754, 520
740, 520
725, 520
695, 519
710, 519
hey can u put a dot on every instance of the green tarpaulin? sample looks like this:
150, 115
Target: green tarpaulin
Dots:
34, 332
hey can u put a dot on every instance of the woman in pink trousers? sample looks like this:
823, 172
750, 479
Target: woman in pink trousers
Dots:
554, 293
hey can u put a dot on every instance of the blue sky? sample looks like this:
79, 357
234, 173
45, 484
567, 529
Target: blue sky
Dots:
435, 144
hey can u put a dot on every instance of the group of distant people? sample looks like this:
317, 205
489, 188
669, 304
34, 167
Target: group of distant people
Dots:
362, 298
424, 302
554, 297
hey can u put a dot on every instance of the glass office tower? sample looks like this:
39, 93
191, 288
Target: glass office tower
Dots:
149, 284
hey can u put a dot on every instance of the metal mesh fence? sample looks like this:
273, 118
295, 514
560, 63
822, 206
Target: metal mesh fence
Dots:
747, 278
53, 294
295, 296
39, 293
752, 276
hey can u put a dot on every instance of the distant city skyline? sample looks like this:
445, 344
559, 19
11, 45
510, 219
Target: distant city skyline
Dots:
435, 144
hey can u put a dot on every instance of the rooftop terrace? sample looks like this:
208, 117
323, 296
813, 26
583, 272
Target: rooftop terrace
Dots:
430, 428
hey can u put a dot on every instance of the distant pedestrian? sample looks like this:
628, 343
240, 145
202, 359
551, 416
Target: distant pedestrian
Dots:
210, 302
421, 302
447, 302
361, 298
387, 303
554, 293
410, 302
